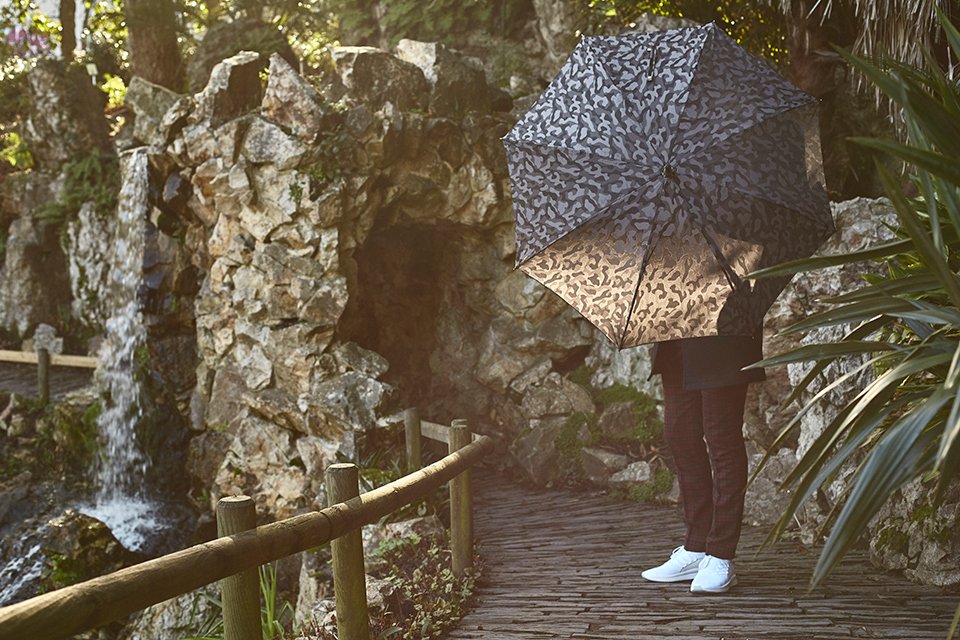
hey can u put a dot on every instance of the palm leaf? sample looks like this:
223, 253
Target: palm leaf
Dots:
893, 461
819, 352
822, 262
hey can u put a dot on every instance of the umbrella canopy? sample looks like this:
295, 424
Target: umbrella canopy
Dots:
654, 172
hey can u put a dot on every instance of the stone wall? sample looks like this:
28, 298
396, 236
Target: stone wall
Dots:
354, 241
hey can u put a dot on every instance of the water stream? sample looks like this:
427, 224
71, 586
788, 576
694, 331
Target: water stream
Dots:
121, 501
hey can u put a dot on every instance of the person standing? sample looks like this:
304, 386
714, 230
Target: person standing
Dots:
704, 391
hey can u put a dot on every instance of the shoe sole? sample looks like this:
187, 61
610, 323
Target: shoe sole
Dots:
722, 589
681, 577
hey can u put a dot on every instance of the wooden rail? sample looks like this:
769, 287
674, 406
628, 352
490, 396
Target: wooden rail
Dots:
89, 604
44, 360
56, 359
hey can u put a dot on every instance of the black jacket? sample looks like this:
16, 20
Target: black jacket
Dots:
715, 361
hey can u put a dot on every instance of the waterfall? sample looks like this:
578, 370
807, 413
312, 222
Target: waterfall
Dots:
121, 502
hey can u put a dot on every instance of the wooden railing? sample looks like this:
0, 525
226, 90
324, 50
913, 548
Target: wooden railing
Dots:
44, 360
233, 558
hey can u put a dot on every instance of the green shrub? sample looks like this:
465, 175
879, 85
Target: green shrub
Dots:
652, 489
906, 324
94, 178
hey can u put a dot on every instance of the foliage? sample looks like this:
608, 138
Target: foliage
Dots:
433, 598
649, 427
893, 27
14, 152
568, 443
275, 614
93, 178
755, 29
441, 20
115, 89
652, 489
906, 324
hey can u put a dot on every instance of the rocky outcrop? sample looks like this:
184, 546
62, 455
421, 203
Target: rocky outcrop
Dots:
65, 120
912, 534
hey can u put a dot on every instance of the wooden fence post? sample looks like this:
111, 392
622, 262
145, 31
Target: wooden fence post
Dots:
411, 431
461, 514
43, 375
349, 574
240, 593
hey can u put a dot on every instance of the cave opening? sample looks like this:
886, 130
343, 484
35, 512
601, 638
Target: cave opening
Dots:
403, 273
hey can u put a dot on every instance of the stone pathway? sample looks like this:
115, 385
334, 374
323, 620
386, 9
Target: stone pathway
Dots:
560, 564
22, 379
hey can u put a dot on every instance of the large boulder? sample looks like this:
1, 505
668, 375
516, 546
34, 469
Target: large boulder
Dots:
227, 38
150, 103
33, 281
377, 78
922, 539
66, 114
292, 103
459, 83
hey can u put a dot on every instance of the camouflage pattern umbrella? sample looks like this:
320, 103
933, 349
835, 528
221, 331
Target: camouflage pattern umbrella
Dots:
654, 172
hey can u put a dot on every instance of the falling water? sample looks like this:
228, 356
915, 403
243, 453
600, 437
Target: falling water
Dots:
121, 502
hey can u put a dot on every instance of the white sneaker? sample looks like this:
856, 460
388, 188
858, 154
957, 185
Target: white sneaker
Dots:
682, 565
716, 575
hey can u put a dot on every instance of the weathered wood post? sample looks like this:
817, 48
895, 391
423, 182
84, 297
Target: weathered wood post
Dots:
240, 593
411, 431
461, 510
43, 375
349, 574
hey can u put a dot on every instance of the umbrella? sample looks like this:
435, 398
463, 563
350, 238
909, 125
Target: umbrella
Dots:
657, 170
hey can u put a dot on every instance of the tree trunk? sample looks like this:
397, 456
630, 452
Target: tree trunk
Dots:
152, 42
68, 28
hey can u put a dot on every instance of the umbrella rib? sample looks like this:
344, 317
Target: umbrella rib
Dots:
625, 163
718, 139
643, 267
588, 219
805, 213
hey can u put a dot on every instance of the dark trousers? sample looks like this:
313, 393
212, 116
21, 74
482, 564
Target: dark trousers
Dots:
704, 430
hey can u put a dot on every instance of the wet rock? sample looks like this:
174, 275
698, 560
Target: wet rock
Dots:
88, 239
78, 547
150, 103
599, 464
205, 455
12, 492
376, 77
